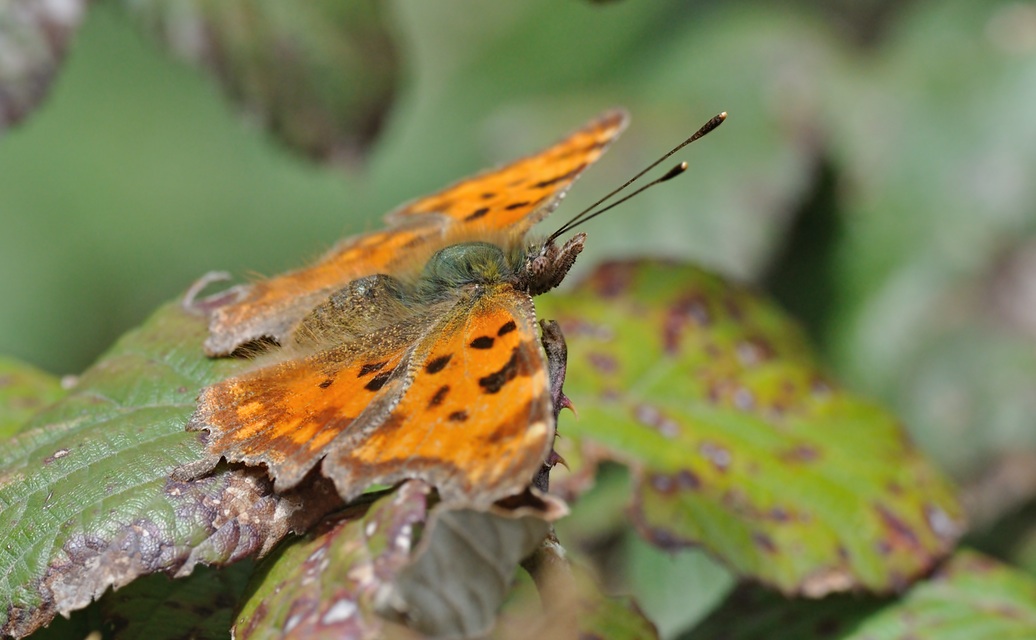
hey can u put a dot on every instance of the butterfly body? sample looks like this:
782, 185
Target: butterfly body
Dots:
413, 352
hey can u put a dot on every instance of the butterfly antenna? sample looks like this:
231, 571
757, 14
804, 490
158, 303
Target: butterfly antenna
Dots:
590, 213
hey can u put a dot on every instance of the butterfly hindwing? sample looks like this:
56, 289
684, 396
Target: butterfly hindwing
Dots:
475, 420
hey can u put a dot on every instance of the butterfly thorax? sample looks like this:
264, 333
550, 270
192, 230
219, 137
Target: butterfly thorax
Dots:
459, 265
534, 268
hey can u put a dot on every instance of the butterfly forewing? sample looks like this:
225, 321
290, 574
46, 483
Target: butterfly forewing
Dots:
512, 197
475, 420
522, 193
273, 308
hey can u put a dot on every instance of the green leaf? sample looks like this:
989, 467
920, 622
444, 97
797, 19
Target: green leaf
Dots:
971, 596
465, 569
157, 607
736, 438
86, 501
675, 590
561, 599
33, 38
24, 390
320, 75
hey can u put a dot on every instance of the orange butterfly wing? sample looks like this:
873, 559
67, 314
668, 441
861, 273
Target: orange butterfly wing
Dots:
520, 194
272, 308
462, 402
476, 420
515, 196
284, 415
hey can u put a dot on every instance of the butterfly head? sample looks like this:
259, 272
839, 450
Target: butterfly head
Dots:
546, 264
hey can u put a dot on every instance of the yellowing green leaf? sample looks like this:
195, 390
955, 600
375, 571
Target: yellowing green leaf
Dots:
24, 390
738, 441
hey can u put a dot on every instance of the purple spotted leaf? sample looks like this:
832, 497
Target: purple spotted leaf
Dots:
24, 390
397, 569
34, 36
970, 596
320, 75
329, 582
86, 499
737, 439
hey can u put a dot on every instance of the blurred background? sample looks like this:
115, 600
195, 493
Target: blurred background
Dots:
875, 174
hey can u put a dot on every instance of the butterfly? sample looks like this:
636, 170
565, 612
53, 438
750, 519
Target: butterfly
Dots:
411, 352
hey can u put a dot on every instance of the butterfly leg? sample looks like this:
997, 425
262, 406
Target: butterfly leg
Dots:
557, 363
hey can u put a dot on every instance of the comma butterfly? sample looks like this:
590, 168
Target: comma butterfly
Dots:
413, 352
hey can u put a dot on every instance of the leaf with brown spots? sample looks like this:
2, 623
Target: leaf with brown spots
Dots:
737, 439
86, 502
328, 582
24, 391
971, 596
393, 568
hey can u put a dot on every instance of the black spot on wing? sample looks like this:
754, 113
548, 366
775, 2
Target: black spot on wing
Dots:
476, 214
506, 328
438, 364
326, 383
565, 176
588, 149
482, 342
458, 416
368, 369
378, 381
517, 205
495, 381
439, 396
489, 195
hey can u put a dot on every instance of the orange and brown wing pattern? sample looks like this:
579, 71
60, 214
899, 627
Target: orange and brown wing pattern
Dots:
515, 196
286, 414
476, 419
521, 193
272, 308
